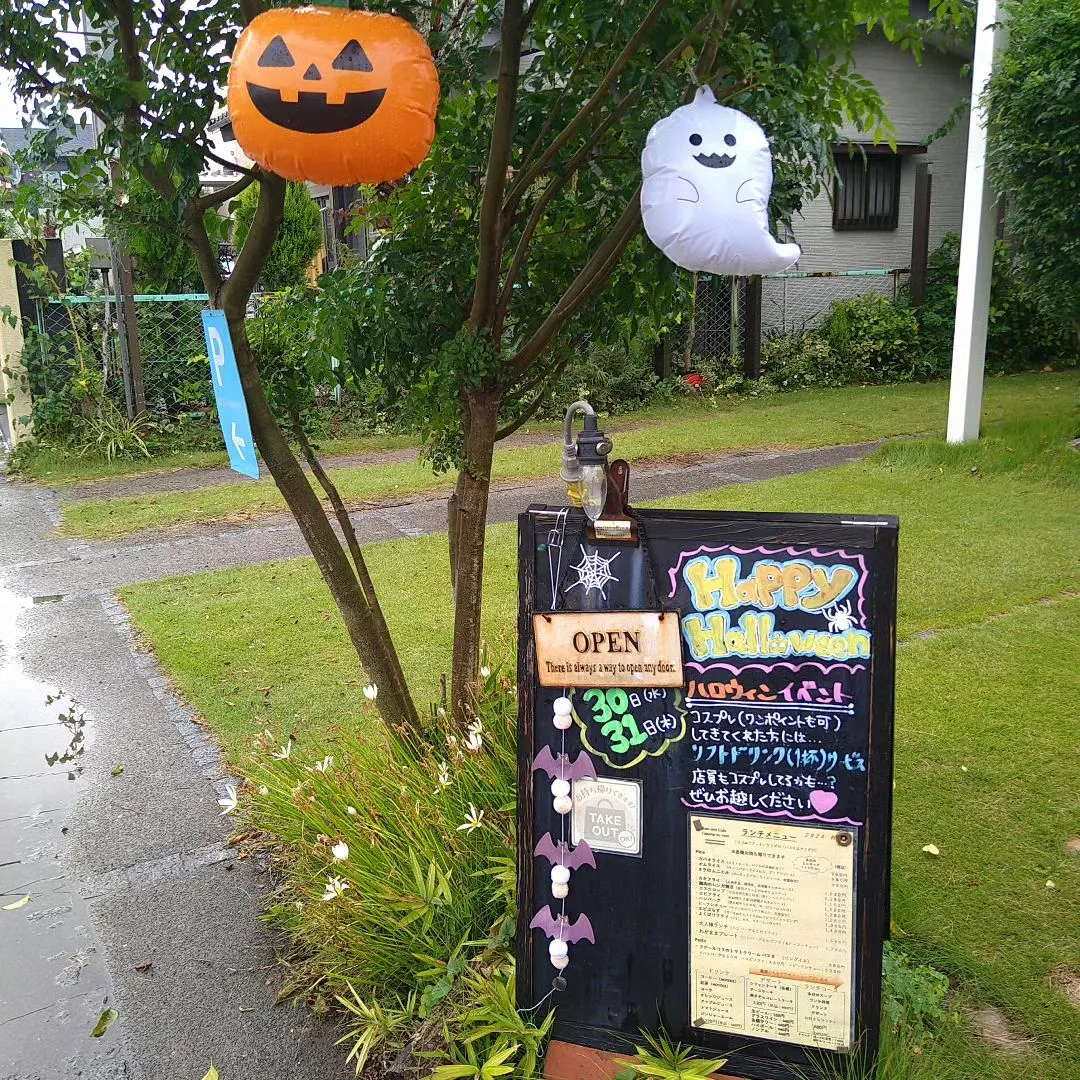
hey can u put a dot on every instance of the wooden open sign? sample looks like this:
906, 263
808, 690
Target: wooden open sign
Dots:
608, 648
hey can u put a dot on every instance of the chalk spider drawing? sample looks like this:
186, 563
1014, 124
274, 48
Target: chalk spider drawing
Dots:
593, 572
840, 618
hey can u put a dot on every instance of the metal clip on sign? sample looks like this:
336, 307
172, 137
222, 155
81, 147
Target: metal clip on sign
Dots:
600, 489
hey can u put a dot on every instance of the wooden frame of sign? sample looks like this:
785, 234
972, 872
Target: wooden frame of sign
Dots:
740, 823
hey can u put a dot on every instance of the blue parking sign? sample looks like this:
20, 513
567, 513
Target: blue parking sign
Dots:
231, 406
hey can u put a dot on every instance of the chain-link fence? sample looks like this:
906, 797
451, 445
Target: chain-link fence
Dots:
794, 301
82, 338
717, 325
713, 329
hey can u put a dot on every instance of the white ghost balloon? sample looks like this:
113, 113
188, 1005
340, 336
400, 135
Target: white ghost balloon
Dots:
704, 201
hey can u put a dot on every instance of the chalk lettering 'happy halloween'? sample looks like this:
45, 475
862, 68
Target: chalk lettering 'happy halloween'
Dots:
718, 588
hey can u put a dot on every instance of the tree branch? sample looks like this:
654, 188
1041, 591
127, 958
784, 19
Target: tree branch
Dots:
489, 248
250, 8
637, 39
582, 288
260, 239
533, 405
555, 106
349, 532
530, 13
197, 238
556, 184
232, 166
217, 198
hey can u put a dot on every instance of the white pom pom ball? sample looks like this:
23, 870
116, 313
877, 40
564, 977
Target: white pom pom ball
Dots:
560, 874
557, 947
563, 804
560, 890
562, 719
560, 787
560, 961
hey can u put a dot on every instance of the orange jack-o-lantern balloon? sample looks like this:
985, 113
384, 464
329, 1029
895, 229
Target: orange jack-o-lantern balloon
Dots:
334, 96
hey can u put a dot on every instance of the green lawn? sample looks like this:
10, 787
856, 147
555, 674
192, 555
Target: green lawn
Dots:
803, 419
988, 682
59, 468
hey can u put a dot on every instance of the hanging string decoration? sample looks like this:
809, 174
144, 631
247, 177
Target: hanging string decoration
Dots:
563, 858
707, 175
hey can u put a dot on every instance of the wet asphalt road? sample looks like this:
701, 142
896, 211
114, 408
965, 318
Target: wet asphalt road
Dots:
136, 901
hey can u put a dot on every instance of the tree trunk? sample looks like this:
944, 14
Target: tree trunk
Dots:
331, 558
481, 416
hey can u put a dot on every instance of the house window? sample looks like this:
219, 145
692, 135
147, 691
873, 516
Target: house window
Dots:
866, 191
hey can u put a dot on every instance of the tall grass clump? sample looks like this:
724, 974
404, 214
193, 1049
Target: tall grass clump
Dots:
397, 882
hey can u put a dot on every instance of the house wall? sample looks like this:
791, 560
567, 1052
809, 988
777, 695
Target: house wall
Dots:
15, 410
918, 100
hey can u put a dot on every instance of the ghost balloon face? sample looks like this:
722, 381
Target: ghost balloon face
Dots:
707, 174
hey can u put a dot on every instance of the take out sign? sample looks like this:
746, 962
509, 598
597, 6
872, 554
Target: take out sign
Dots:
608, 648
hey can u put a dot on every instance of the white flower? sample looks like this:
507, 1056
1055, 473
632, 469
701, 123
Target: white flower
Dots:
325, 765
485, 672
473, 739
351, 811
335, 887
444, 779
263, 789
228, 804
340, 851
473, 820
285, 752
371, 691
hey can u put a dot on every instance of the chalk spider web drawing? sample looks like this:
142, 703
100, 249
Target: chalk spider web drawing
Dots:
594, 572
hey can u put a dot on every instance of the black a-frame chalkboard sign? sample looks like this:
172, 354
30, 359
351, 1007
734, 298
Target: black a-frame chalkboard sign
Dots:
705, 782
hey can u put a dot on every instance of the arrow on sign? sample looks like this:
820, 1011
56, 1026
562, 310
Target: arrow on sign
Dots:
238, 442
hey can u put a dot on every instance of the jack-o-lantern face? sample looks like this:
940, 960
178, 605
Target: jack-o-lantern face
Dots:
334, 96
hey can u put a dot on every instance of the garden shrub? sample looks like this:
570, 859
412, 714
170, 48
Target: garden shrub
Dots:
874, 339
397, 868
800, 360
1018, 336
614, 377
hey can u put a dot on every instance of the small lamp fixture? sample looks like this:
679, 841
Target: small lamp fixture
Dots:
584, 466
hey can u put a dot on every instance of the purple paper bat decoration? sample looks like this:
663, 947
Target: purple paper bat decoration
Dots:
560, 767
559, 853
559, 926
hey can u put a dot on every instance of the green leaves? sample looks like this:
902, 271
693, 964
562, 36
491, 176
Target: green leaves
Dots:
105, 1021
664, 1059
1034, 150
432, 892
299, 237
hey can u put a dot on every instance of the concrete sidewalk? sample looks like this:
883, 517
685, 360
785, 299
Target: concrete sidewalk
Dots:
136, 901
76, 566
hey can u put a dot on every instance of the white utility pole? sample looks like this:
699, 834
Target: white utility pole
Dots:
976, 244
